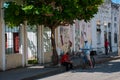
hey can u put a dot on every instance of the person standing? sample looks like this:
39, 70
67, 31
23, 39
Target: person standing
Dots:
86, 51
106, 46
69, 47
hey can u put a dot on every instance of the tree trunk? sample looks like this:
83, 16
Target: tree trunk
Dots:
54, 55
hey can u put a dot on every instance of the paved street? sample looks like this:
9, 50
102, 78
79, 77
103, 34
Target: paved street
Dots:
106, 71
37, 72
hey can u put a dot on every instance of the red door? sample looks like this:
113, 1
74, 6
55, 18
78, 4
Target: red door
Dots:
16, 42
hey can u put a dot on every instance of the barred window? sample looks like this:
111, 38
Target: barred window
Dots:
115, 37
11, 40
115, 18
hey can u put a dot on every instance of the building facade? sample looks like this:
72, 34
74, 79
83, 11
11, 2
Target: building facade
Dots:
25, 43
115, 16
104, 25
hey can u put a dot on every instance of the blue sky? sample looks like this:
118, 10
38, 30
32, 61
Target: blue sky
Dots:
116, 1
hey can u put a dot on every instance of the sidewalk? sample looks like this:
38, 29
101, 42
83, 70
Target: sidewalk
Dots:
33, 72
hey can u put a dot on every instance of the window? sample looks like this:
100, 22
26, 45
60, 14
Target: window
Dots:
11, 40
115, 25
115, 37
115, 18
109, 27
98, 37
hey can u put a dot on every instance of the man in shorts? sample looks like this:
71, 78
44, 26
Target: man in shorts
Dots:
86, 52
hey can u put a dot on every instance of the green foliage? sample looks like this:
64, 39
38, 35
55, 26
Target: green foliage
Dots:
32, 62
50, 13
13, 14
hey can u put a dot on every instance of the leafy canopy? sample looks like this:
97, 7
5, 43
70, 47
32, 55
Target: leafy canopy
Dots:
50, 13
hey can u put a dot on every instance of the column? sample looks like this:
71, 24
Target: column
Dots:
119, 33
2, 38
23, 44
73, 27
119, 42
57, 38
94, 34
102, 36
40, 44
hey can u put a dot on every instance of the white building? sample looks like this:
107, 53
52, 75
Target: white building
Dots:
105, 25
101, 26
115, 16
107, 20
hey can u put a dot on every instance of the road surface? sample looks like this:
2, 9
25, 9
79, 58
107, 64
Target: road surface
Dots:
105, 71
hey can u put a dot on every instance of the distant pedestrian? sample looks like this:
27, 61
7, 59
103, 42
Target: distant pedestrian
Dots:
65, 61
86, 52
106, 46
69, 47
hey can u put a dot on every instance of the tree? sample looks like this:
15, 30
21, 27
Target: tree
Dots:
50, 13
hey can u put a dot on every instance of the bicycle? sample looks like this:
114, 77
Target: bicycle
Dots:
85, 62
92, 54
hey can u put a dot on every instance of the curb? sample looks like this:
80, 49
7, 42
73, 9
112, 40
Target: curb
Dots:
107, 59
46, 73
59, 70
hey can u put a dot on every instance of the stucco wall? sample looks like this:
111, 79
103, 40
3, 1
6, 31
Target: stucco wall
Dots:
1, 65
47, 57
13, 61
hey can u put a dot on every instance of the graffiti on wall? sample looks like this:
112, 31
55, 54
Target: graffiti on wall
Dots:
85, 33
81, 32
66, 38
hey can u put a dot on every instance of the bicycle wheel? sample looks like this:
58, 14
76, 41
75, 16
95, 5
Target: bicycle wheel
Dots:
84, 62
93, 60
